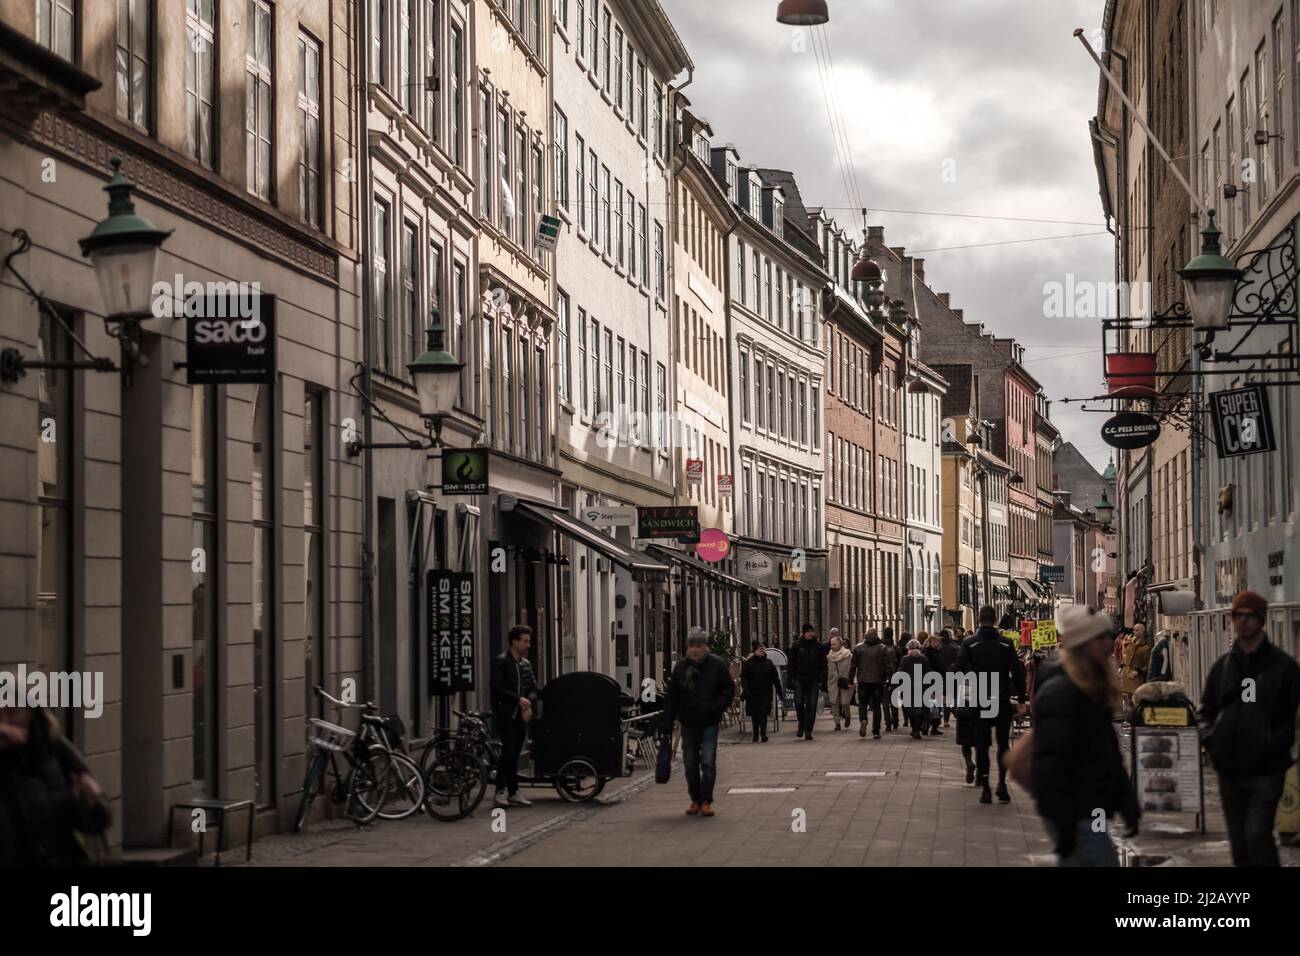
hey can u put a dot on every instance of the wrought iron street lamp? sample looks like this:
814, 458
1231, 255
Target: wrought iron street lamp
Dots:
1105, 510
436, 375
123, 250
1210, 281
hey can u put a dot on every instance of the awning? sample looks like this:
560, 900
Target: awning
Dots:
629, 558
695, 564
1026, 588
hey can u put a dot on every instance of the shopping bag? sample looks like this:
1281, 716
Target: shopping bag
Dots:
664, 761
1288, 808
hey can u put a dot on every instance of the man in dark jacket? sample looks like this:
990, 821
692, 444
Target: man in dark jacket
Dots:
893, 654
806, 670
1247, 717
514, 695
868, 669
948, 650
987, 652
699, 693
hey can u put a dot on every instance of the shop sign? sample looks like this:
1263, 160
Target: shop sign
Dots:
548, 232
789, 574
1051, 573
668, 522
694, 470
1165, 716
610, 516
1275, 562
229, 343
1044, 635
450, 596
754, 566
1243, 423
464, 471
714, 545
726, 484
1229, 579
916, 537
1130, 430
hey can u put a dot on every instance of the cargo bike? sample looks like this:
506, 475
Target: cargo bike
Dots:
577, 742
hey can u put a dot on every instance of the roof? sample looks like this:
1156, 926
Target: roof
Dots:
1075, 474
957, 400
796, 214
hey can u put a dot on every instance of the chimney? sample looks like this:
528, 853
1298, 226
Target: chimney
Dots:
958, 313
876, 233
900, 251
919, 269
944, 297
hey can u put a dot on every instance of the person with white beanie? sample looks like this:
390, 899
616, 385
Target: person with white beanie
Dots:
1077, 765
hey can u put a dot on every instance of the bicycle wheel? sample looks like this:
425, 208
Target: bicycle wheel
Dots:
577, 781
405, 794
454, 785
367, 783
310, 787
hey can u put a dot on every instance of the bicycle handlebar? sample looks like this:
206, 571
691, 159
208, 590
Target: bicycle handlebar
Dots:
341, 704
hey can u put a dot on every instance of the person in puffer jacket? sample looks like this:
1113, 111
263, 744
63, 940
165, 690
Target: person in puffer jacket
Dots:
699, 693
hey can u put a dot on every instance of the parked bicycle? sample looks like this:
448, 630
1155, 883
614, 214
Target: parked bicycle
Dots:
380, 780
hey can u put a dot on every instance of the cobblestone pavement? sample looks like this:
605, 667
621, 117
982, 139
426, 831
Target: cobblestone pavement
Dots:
889, 802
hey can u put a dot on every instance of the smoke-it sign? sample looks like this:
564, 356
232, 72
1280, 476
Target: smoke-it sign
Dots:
464, 471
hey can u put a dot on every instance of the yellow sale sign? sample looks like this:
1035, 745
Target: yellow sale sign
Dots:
1045, 635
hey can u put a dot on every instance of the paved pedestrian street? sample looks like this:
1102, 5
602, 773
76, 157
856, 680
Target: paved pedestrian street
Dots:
862, 802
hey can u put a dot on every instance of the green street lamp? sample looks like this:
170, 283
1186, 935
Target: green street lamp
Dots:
123, 249
436, 373
1105, 510
1210, 281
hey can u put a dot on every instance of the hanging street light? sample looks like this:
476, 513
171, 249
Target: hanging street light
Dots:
1105, 510
1210, 281
436, 373
802, 13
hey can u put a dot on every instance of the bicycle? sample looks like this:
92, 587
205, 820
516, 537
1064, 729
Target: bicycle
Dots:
377, 774
457, 766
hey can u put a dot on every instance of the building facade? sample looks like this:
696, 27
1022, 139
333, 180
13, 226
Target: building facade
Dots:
198, 542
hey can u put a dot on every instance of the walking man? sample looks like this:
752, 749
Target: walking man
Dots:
987, 652
1247, 718
806, 668
869, 670
514, 694
699, 693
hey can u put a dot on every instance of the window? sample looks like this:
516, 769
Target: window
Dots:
645, 434
618, 67
309, 132
659, 118
55, 22
455, 70
580, 24
631, 233
815, 416
540, 389
803, 413
593, 196
644, 269
133, 38
379, 42
507, 391
313, 551
409, 334
604, 51
744, 387
408, 39
260, 120
506, 210
640, 98
200, 70
203, 603
419, 338
525, 398
426, 84
460, 348
381, 247
622, 388
771, 397
634, 386
485, 153
661, 385
489, 379
539, 177
265, 589
593, 33
659, 260
608, 402
606, 214
521, 187
1262, 119
759, 405
582, 338
562, 160
618, 222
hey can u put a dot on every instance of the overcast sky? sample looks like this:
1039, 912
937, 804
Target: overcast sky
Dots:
996, 94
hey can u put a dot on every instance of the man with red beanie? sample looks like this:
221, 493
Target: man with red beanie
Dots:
1247, 718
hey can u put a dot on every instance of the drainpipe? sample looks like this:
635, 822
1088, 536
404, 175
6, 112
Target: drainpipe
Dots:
367, 352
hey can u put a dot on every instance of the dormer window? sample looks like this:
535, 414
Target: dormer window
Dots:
731, 180
778, 216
